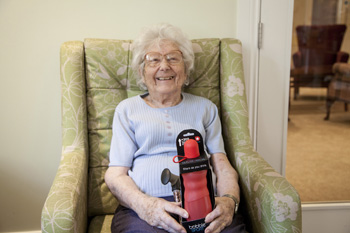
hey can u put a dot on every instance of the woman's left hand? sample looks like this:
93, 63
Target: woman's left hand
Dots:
221, 216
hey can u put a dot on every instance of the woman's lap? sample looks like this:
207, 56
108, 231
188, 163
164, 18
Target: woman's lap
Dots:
126, 220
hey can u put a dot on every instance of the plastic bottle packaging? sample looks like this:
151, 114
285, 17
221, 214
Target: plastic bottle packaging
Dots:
197, 199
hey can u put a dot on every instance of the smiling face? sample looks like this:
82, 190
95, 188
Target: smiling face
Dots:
166, 78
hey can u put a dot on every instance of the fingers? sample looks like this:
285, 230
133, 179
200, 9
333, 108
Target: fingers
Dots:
169, 221
176, 203
172, 207
157, 213
212, 215
220, 217
171, 225
215, 227
218, 224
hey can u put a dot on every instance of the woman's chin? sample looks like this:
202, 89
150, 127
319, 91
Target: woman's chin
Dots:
167, 89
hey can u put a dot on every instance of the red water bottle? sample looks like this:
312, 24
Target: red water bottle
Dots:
197, 200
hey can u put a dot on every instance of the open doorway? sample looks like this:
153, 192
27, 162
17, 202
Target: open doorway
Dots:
318, 150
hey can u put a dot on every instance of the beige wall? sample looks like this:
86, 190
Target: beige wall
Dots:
31, 32
345, 19
302, 16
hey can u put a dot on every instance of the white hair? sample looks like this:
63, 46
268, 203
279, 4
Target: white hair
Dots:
154, 35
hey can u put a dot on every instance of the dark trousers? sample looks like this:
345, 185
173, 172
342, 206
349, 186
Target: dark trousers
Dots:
126, 220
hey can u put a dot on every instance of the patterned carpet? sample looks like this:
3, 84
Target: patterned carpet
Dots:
318, 151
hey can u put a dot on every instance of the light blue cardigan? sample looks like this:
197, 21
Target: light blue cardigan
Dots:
144, 138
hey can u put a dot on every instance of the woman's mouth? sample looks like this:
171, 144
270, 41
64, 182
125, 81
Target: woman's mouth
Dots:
165, 78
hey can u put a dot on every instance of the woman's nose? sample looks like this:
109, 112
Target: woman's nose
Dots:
164, 64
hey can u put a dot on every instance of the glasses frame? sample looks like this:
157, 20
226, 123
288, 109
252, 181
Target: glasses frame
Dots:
148, 63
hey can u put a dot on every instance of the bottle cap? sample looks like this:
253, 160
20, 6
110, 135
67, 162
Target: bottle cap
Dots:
191, 149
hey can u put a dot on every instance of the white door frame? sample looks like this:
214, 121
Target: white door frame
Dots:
267, 105
268, 97
248, 16
273, 82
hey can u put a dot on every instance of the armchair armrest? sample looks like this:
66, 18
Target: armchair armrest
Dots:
65, 209
297, 59
272, 202
341, 68
342, 57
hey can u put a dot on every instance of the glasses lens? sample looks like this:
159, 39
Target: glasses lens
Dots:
154, 59
174, 57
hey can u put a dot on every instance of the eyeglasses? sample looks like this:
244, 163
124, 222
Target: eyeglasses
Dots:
153, 59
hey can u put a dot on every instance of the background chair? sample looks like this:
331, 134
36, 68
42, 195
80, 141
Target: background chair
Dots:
95, 77
339, 87
319, 48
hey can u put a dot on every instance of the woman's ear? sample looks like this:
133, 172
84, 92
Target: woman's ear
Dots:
187, 81
141, 82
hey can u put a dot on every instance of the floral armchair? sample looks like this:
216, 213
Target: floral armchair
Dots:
95, 77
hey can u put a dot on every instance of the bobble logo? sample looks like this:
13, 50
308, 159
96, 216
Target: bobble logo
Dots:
197, 227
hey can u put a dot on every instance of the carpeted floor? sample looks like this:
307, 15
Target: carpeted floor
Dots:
318, 151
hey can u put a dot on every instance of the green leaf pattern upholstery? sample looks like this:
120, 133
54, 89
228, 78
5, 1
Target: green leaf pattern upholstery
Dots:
95, 77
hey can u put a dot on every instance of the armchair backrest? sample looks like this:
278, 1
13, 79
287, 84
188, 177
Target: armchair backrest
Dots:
319, 44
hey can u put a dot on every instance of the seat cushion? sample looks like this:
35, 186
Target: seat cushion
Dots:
101, 224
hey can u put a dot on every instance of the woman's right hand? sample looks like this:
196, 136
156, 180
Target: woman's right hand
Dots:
156, 212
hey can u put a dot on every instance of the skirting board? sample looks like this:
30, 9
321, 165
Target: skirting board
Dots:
326, 217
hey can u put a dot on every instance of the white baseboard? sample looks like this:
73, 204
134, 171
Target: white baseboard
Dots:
326, 217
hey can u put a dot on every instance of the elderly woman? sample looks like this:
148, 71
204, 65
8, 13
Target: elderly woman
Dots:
145, 128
